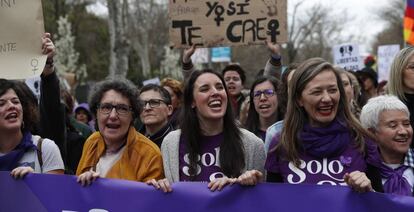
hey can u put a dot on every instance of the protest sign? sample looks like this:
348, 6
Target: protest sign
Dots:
34, 84
50, 192
155, 81
347, 56
227, 22
200, 56
386, 54
221, 54
21, 23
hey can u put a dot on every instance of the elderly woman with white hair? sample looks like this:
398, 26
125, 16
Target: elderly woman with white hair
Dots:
388, 119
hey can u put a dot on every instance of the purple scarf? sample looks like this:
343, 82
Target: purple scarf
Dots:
10, 161
395, 183
325, 142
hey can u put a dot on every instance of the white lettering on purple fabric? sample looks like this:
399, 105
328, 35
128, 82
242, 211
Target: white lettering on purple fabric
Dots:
207, 160
216, 175
186, 168
315, 167
300, 173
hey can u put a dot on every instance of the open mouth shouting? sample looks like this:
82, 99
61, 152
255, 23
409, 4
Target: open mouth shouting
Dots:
231, 87
264, 107
113, 126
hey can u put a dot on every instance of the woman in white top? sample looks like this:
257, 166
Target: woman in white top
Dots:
20, 151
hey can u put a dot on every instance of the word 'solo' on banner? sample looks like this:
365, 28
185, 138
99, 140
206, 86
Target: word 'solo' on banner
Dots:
21, 23
211, 23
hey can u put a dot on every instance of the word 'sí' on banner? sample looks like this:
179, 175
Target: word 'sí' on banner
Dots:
211, 23
21, 23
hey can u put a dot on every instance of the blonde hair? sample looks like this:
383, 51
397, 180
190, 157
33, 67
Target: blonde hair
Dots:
396, 83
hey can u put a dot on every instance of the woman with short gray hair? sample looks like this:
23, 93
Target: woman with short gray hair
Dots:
388, 119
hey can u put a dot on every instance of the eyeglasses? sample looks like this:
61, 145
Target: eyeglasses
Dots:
120, 109
153, 103
267, 92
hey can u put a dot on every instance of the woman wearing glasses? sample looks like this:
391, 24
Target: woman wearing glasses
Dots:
210, 147
264, 107
117, 150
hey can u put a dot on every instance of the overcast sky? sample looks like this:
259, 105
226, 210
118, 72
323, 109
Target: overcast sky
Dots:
362, 13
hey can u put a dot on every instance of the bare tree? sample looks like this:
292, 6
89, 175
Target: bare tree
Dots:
314, 32
147, 21
117, 11
392, 16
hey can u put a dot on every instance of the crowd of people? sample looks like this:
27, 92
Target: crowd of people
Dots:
312, 123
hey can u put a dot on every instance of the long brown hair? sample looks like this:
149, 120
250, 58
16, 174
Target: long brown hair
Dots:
296, 116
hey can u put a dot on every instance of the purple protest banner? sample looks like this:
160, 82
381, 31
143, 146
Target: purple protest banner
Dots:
61, 193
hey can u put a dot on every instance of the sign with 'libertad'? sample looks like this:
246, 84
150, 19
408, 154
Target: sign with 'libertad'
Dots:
227, 22
21, 23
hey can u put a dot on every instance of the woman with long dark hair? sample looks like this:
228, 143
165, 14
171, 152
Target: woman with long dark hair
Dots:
210, 146
264, 107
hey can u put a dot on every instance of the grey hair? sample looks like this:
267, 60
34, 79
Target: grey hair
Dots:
375, 106
121, 85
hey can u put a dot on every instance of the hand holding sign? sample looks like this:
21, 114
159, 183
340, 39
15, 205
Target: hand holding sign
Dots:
48, 48
274, 48
188, 53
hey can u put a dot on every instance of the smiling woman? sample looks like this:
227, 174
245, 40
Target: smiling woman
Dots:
112, 152
388, 119
320, 129
210, 146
